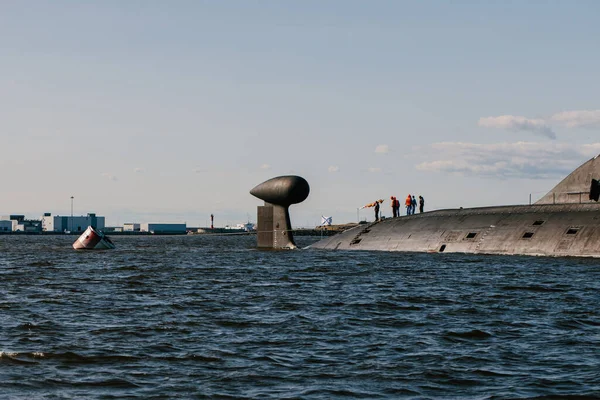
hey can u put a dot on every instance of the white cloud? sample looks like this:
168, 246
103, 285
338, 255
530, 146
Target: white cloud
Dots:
110, 177
374, 170
333, 168
507, 160
577, 119
516, 123
265, 166
382, 149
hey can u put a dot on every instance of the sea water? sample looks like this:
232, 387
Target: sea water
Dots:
213, 317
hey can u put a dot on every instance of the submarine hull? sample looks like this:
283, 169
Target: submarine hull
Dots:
541, 230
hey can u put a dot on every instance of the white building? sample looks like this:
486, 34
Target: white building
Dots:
131, 227
164, 228
58, 223
248, 227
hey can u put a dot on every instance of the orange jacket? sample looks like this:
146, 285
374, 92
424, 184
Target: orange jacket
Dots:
408, 200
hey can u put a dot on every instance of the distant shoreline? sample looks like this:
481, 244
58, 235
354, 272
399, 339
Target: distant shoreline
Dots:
79, 233
207, 232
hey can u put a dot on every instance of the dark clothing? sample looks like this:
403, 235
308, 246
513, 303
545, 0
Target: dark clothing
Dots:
421, 204
377, 212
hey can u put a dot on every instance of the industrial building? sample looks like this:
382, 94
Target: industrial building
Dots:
58, 223
18, 218
131, 227
18, 223
164, 228
78, 224
7, 225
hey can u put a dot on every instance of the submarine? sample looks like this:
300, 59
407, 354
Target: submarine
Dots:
564, 222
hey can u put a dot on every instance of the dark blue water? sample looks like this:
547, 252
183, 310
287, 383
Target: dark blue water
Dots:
211, 317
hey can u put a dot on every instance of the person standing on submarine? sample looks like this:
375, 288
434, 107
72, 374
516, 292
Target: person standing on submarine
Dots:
421, 204
408, 203
376, 211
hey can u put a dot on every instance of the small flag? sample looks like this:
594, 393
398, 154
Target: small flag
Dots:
372, 204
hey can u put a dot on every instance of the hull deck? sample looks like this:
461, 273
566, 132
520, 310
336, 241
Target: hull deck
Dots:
544, 230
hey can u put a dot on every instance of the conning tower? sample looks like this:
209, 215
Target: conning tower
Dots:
580, 186
273, 219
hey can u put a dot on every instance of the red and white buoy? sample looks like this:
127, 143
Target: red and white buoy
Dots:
93, 239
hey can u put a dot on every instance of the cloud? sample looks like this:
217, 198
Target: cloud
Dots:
382, 149
516, 123
265, 166
110, 177
579, 119
374, 170
507, 160
333, 168
139, 170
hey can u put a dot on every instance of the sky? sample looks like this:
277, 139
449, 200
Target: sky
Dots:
155, 111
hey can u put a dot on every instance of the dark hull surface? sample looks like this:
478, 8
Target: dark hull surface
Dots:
544, 230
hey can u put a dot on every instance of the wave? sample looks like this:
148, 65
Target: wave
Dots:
41, 264
66, 357
533, 288
472, 334
116, 383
